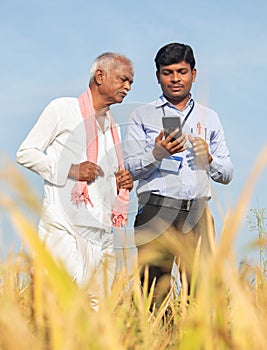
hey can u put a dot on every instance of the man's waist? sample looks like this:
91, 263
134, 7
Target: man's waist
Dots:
169, 202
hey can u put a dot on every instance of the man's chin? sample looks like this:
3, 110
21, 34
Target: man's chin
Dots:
176, 96
119, 99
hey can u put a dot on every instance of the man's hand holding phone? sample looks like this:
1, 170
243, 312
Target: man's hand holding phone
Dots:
166, 146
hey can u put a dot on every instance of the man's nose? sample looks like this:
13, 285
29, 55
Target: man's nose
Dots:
176, 76
127, 85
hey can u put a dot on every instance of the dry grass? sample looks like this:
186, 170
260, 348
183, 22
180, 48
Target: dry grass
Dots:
41, 308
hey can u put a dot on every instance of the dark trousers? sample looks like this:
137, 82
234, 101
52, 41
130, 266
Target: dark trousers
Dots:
163, 234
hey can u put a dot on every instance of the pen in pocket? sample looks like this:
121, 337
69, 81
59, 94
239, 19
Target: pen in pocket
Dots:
198, 128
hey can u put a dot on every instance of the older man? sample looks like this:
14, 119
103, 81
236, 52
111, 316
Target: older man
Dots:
75, 148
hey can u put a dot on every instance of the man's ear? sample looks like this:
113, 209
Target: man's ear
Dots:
99, 74
158, 76
194, 74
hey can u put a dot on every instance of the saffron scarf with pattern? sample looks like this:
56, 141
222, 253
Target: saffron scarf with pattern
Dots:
80, 193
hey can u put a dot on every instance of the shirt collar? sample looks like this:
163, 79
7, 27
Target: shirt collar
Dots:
162, 102
106, 120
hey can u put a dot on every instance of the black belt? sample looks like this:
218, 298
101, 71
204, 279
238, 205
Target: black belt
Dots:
168, 202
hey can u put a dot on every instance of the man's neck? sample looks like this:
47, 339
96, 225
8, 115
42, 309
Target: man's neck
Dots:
100, 116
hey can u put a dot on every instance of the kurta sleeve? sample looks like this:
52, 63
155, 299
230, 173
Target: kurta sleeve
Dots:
33, 154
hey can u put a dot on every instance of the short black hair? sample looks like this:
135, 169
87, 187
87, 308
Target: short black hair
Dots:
175, 53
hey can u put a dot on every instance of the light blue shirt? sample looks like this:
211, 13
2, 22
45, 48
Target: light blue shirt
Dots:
190, 181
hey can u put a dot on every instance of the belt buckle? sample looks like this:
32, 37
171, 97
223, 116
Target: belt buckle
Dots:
186, 205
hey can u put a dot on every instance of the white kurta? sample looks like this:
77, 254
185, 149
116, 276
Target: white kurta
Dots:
82, 236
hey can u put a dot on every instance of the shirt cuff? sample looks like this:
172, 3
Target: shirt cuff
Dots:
215, 167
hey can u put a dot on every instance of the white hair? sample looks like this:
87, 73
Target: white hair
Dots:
106, 61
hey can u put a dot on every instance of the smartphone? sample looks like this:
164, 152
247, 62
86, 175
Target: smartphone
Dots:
170, 123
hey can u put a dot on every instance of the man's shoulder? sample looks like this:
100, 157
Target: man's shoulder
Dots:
145, 107
205, 110
65, 108
61, 101
65, 105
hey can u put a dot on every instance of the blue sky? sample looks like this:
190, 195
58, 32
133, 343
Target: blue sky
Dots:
47, 48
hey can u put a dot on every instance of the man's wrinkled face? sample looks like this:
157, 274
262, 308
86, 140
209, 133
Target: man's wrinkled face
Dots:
176, 81
117, 83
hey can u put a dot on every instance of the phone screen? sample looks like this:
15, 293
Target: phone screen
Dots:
170, 123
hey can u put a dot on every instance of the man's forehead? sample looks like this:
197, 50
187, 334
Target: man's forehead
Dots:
122, 62
124, 69
181, 64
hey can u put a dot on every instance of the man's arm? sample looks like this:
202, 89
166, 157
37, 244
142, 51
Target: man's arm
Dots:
220, 167
31, 154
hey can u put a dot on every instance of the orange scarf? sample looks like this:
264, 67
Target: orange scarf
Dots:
80, 190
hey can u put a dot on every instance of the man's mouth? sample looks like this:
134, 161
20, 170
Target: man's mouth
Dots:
123, 93
176, 87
